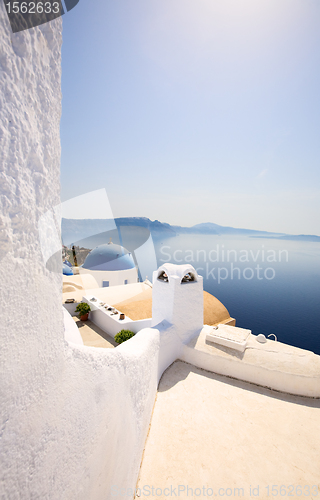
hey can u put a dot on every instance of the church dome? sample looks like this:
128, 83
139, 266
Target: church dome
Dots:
66, 270
109, 257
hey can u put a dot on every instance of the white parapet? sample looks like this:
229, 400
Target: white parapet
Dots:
274, 365
110, 320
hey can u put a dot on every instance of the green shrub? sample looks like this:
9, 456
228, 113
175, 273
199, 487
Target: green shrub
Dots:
83, 308
123, 336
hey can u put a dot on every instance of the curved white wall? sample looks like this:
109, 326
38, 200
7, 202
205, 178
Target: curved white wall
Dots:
73, 418
115, 278
71, 331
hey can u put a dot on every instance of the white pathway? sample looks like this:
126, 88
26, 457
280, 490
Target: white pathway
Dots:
212, 437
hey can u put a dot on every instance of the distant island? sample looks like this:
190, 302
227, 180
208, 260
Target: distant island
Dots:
80, 231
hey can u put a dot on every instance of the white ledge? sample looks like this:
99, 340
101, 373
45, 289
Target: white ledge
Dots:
274, 365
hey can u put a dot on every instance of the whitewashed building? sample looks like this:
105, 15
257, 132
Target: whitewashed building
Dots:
110, 265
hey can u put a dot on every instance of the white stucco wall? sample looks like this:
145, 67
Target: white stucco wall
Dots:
115, 278
112, 324
178, 303
73, 418
177, 311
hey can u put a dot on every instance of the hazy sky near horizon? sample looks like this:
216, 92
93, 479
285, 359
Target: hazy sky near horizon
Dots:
191, 111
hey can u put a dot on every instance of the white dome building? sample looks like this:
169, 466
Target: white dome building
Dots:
110, 265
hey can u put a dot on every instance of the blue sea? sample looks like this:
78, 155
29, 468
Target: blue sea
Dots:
268, 285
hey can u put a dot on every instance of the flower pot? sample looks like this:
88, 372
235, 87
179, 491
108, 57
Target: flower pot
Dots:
84, 317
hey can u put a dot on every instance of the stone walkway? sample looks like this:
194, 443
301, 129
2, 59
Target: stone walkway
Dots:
93, 336
221, 437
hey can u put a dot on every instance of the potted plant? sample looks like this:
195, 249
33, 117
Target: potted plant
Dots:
123, 335
83, 309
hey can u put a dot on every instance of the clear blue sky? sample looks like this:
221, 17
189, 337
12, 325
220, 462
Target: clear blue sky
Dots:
192, 111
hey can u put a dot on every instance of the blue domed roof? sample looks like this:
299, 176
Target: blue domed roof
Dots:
66, 270
109, 257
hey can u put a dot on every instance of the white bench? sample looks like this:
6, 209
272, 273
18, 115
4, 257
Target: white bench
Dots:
229, 336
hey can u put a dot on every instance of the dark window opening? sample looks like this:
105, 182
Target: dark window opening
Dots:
163, 276
188, 277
